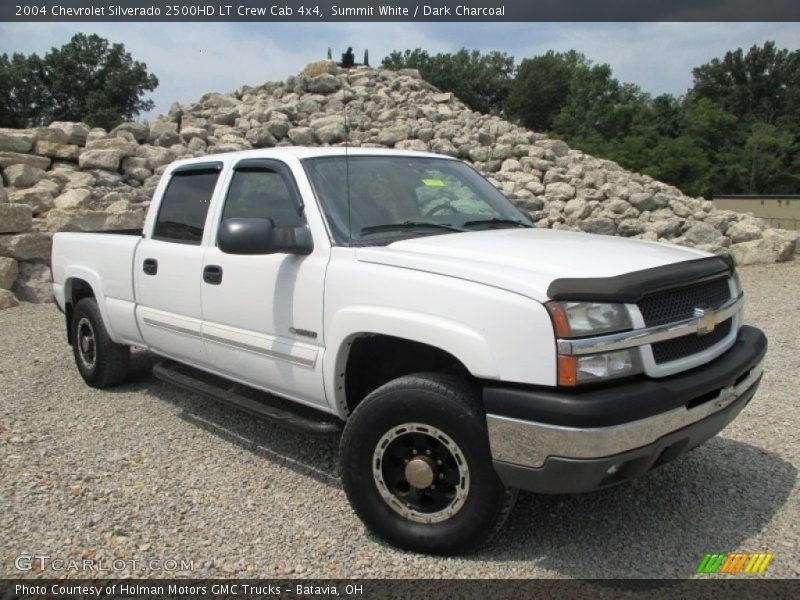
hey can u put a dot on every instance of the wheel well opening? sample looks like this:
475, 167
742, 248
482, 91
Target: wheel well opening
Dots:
78, 290
377, 359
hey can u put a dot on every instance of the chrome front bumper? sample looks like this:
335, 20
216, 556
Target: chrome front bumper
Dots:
530, 444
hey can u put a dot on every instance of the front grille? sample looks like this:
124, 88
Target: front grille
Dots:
679, 304
687, 345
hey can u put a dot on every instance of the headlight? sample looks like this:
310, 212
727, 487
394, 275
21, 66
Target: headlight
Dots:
579, 319
574, 370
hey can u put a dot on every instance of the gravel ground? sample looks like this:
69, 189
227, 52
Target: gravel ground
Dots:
148, 472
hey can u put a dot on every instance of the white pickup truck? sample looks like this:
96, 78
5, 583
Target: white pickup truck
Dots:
399, 297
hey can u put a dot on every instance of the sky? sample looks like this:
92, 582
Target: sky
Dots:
191, 59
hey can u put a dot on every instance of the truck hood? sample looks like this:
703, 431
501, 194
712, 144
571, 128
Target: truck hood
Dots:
526, 261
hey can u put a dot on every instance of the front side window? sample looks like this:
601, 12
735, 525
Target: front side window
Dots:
374, 199
183, 210
262, 194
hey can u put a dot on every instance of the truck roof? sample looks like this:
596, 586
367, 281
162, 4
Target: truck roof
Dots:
301, 152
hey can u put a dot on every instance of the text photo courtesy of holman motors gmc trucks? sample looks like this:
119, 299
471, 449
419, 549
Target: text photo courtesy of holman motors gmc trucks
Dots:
401, 301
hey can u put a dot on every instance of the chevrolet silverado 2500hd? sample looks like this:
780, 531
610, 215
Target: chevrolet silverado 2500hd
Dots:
401, 298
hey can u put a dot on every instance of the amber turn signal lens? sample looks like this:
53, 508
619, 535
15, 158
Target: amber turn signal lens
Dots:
559, 319
567, 372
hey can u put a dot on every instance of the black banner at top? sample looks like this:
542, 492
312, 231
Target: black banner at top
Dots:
399, 10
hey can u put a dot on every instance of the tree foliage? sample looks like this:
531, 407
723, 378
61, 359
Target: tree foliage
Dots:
88, 79
737, 130
481, 81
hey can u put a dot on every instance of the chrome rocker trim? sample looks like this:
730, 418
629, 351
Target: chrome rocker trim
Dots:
650, 335
530, 444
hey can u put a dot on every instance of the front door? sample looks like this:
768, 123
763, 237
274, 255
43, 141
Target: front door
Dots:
262, 315
168, 265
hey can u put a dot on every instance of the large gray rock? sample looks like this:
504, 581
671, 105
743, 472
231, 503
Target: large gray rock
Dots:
392, 135
744, 231
302, 136
38, 197
702, 233
15, 218
259, 137
323, 84
34, 283
74, 198
58, 151
76, 132
22, 176
15, 143
101, 159
776, 246
8, 272
26, 246
7, 300
15, 158
139, 131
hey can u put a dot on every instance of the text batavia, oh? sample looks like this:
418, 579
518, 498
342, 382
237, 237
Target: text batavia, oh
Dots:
225, 10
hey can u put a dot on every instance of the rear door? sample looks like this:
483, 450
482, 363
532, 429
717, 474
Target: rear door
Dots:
168, 264
262, 314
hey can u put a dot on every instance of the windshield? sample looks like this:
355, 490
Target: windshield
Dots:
400, 196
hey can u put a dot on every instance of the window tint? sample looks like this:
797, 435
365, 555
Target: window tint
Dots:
261, 194
182, 215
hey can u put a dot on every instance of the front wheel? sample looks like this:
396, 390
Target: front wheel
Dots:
417, 469
100, 361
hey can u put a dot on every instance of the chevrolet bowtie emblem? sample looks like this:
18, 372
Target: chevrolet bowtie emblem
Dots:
706, 320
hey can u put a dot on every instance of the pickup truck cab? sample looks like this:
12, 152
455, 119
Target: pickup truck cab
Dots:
399, 297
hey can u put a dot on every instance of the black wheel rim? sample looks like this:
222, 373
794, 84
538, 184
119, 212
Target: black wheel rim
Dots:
86, 343
421, 472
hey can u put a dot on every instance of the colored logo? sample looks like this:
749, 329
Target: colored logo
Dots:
734, 562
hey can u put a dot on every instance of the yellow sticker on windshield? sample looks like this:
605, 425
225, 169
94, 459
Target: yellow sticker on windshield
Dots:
433, 182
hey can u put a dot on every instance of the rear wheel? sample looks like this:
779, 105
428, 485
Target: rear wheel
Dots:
417, 469
100, 361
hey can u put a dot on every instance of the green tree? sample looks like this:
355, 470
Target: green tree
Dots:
87, 79
541, 88
481, 81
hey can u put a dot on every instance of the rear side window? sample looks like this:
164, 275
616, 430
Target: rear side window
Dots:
183, 210
262, 194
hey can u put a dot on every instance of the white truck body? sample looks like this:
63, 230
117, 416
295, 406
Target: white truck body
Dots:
285, 322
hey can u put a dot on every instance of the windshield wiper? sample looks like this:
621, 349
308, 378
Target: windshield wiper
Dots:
407, 225
496, 221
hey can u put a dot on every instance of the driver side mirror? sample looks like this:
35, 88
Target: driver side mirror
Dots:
260, 236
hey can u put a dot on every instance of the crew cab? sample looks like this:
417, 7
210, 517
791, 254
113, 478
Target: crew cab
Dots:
400, 301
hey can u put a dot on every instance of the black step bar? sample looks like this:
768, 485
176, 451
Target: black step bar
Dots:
303, 419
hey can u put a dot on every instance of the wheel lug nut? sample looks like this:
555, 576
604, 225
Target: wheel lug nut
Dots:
438, 462
441, 475
414, 451
428, 452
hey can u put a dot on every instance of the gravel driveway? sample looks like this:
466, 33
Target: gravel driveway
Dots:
148, 472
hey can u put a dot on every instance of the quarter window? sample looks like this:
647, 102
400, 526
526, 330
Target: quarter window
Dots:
184, 207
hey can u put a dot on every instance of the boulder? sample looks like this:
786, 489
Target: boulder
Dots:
259, 137
10, 142
74, 198
391, 135
38, 197
68, 152
702, 233
323, 84
15, 218
776, 246
139, 131
76, 132
34, 283
302, 136
13, 158
93, 220
26, 246
7, 300
22, 176
744, 231
101, 159
8, 272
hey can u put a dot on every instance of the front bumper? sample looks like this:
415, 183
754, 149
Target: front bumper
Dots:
563, 442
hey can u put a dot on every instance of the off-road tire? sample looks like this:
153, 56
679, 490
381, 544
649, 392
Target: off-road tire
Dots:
452, 406
105, 365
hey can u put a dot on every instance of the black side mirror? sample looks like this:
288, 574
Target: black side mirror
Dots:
260, 236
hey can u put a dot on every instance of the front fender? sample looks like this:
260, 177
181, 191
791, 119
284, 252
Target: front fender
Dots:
466, 344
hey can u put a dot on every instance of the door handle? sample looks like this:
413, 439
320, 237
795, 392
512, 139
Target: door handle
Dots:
212, 274
150, 266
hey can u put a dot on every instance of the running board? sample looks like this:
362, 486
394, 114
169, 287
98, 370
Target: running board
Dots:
260, 404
